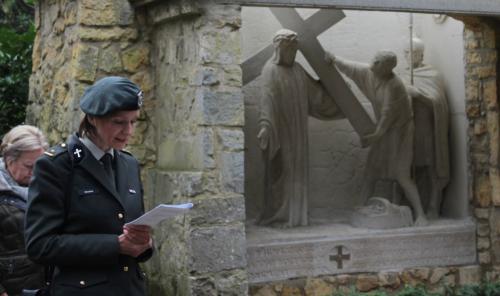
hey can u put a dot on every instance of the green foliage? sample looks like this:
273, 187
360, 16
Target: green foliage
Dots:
469, 290
16, 14
353, 292
415, 291
16, 45
485, 289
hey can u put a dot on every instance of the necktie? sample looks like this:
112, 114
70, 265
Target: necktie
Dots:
108, 167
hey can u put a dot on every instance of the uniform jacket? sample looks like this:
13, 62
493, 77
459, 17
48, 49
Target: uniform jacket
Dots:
74, 217
16, 270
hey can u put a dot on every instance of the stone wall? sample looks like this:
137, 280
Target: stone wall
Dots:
198, 133
78, 42
481, 57
434, 279
186, 55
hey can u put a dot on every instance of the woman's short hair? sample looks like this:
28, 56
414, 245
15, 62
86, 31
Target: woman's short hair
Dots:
86, 128
20, 139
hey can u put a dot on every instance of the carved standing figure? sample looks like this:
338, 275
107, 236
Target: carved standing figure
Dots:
431, 159
289, 96
391, 152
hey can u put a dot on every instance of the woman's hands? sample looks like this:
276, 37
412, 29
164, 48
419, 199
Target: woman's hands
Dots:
371, 138
134, 240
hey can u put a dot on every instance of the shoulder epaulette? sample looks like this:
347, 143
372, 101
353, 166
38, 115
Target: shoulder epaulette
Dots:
126, 152
56, 150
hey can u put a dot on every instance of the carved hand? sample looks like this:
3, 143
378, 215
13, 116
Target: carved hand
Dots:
329, 58
263, 137
367, 140
418, 96
364, 142
412, 91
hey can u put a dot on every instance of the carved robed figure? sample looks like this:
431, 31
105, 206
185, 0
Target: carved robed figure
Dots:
431, 160
289, 96
391, 144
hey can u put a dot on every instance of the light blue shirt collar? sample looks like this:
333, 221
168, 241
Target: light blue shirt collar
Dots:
94, 150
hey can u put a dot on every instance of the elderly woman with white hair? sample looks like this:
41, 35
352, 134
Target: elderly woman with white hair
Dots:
20, 148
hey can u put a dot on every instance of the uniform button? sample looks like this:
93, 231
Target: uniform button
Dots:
82, 283
125, 268
63, 145
120, 216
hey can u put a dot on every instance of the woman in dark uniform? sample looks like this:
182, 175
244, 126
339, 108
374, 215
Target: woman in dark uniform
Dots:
82, 194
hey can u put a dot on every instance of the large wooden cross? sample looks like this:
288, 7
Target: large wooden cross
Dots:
314, 53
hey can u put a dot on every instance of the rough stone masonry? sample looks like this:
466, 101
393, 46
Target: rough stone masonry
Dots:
186, 57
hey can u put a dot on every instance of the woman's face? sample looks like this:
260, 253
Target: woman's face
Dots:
114, 131
21, 169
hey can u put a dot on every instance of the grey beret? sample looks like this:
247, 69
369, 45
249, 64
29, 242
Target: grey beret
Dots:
111, 94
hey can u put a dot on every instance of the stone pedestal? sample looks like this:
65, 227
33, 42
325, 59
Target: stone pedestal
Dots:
275, 255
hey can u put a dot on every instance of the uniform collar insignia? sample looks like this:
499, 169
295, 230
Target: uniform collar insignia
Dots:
77, 153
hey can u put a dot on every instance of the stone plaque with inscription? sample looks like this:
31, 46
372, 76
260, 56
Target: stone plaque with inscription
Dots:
275, 255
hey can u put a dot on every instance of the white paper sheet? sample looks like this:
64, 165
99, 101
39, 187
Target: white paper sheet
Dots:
160, 213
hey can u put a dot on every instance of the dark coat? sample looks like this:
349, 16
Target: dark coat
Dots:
75, 216
17, 272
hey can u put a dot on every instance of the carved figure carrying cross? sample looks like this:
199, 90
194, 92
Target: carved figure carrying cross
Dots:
314, 53
340, 257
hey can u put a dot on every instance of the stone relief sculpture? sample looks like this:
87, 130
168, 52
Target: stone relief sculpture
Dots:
431, 159
379, 213
289, 96
391, 144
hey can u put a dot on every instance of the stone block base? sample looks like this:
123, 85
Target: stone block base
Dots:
280, 254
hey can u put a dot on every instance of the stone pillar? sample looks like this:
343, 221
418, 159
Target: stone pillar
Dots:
481, 59
198, 123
